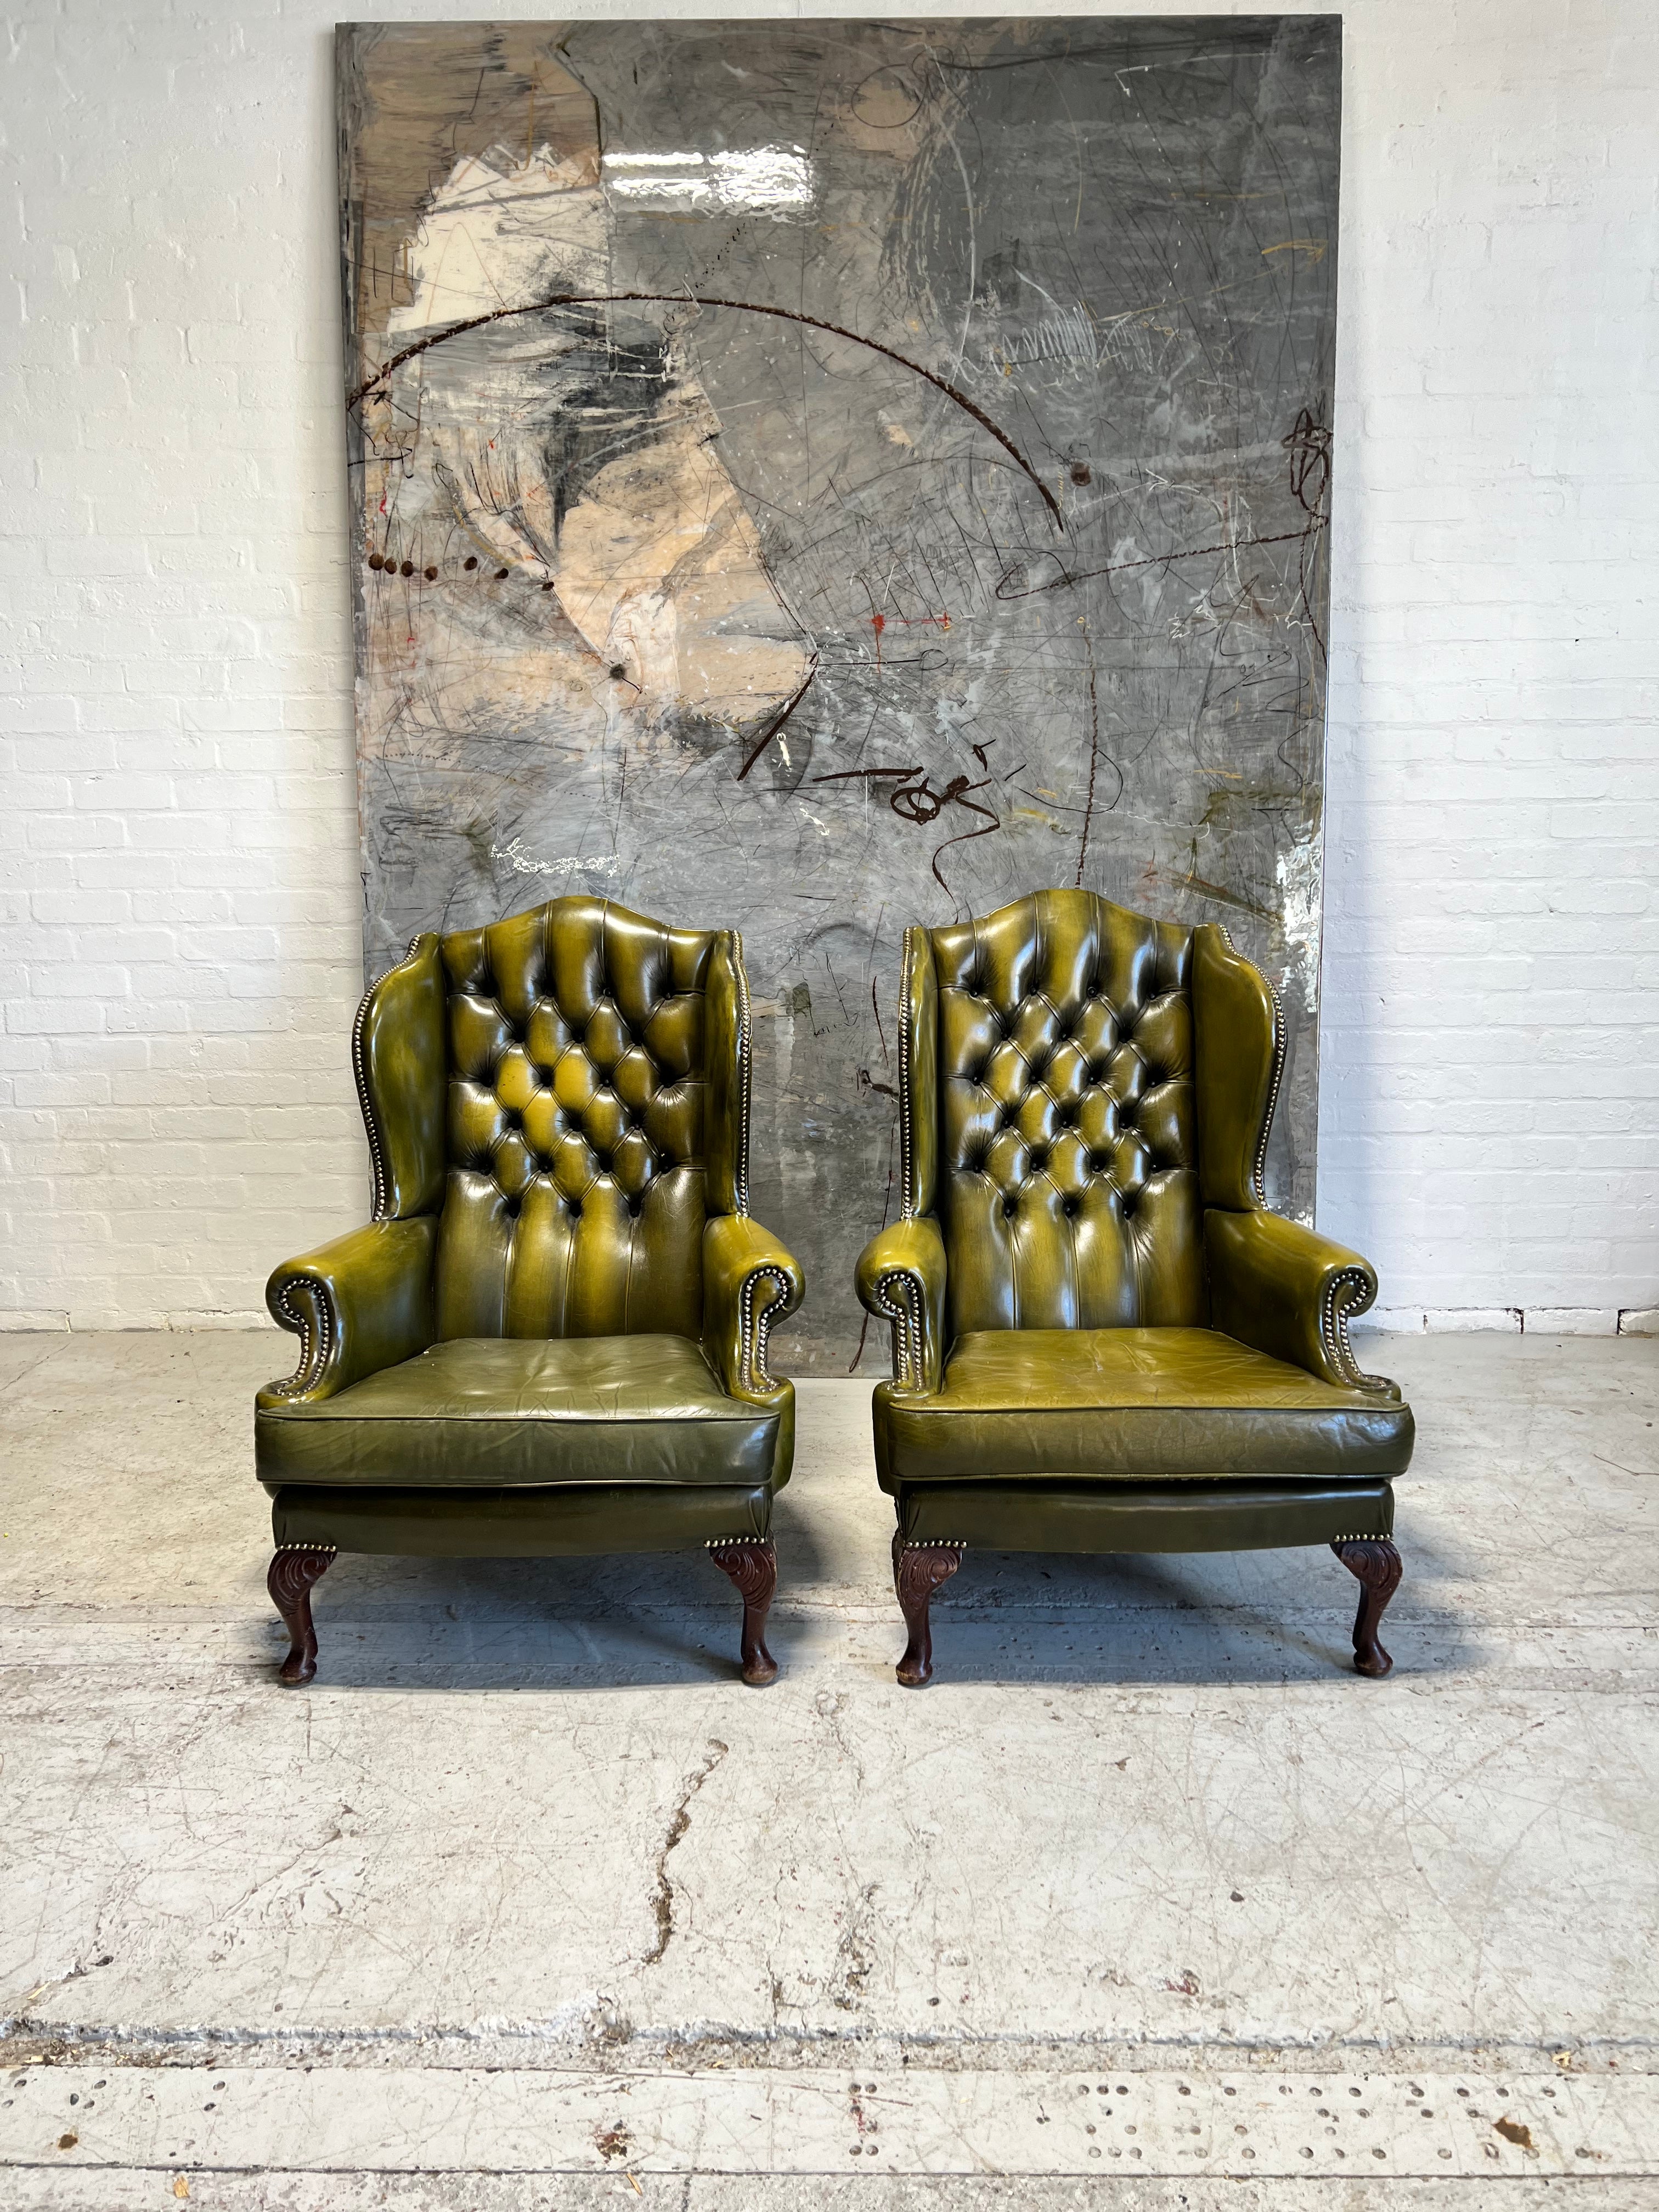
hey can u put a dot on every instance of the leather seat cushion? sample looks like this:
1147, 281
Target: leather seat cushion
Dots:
1131, 1405
495, 1413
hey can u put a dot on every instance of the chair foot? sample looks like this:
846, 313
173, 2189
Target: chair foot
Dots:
1375, 1563
752, 1566
918, 1570
293, 1571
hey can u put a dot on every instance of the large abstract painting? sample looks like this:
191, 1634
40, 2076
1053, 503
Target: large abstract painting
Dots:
812, 477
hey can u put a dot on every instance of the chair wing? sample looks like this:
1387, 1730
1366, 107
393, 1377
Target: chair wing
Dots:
918, 1075
398, 1057
364, 1301
750, 1281
1239, 1037
1274, 1284
730, 1043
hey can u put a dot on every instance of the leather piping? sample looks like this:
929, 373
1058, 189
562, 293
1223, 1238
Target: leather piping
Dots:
1348, 1292
316, 1345
366, 1104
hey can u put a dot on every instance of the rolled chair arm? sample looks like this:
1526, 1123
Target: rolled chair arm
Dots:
901, 1279
358, 1304
1288, 1292
751, 1282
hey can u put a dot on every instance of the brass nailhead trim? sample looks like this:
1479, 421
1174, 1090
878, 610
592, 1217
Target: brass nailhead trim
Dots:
905, 1316
1259, 1167
753, 1329
746, 1035
906, 1321
1348, 1292
1258, 1164
315, 1349
907, 1143
376, 1152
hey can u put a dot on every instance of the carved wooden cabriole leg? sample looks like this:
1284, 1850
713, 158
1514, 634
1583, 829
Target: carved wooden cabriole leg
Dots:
293, 1571
1375, 1563
752, 1565
918, 1570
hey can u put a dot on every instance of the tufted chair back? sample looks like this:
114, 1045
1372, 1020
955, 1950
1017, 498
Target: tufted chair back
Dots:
1052, 1118
577, 1086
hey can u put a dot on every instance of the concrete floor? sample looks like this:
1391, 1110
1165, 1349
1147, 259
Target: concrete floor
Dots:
1148, 1901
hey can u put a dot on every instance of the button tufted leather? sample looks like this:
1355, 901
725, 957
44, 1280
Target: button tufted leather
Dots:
1069, 1020
574, 1203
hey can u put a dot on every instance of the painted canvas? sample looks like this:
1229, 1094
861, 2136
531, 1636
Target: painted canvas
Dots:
812, 477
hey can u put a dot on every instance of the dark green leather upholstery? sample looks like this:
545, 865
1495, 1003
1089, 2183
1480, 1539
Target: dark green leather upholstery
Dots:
515, 1524
1221, 1516
1064, 1114
505, 1412
1101, 1338
552, 1336
1131, 1404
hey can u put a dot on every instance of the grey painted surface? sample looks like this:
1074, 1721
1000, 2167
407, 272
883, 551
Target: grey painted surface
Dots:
1016, 576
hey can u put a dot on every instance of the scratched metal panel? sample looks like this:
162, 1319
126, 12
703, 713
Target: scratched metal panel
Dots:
814, 477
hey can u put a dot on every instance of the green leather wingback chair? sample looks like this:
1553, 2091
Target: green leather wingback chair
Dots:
1102, 1340
551, 1338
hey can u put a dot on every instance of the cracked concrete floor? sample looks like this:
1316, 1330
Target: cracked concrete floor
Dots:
1147, 1902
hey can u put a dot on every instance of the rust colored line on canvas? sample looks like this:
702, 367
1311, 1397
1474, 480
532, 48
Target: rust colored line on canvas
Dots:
708, 300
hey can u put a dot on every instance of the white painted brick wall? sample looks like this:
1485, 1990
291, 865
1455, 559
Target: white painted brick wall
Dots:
178, 836
1489, 1135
